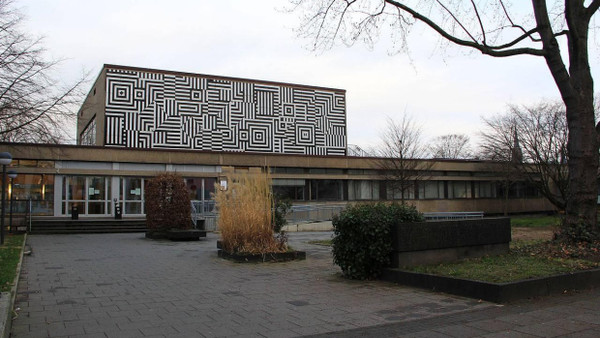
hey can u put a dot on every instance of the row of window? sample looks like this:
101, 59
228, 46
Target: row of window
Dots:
354, 190
97, 195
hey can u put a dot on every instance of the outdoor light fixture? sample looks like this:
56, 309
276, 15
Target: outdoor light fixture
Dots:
12, 175
5, 159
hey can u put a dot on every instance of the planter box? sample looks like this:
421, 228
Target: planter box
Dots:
185, 235
176, 235
496, 292
269, 257
445, 241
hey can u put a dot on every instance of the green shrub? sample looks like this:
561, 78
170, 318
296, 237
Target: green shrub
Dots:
167, 203
282, 207
361, 242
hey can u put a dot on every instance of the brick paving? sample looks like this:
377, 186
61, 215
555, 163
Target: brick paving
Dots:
123, 285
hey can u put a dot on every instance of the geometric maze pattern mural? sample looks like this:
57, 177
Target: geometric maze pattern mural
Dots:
146, 109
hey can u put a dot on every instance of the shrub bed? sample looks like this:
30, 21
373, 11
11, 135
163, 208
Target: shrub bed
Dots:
361, 242
167, 204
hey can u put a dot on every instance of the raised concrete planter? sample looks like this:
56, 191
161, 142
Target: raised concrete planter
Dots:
268, 257
445, 241
496, 292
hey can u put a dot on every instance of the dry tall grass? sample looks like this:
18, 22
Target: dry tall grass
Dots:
245, 218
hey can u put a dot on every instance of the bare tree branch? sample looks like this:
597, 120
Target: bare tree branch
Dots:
34, 107
489, 50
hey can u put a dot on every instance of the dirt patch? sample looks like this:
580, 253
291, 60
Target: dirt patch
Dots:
525, 234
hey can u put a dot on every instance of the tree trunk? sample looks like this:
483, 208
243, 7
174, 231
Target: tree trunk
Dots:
583, 167
577, 91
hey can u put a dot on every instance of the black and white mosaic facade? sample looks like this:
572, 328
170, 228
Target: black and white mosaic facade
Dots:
146, 109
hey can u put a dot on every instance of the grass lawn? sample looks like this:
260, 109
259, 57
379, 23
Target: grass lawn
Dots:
10, 254
534, 221
507, 268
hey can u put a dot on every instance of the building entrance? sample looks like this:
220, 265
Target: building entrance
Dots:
89, 194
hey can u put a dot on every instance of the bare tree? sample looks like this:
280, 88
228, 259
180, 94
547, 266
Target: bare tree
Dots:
34, 107
400, 157
451, 146
493, 28
500, 144
532, 143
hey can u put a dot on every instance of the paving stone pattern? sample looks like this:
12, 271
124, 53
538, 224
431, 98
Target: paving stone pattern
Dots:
123, 285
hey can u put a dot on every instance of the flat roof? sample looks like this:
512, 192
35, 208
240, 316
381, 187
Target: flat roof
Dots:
218, 77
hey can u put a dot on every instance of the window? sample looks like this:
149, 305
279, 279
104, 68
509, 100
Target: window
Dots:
431, 189
326, 190
459, 189
485, 190
40, 188
88, 136
363, 190
90, 194
131, 194
395, 191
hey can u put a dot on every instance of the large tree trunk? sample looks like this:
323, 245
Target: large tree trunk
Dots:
583, 138
581, 211
577, 91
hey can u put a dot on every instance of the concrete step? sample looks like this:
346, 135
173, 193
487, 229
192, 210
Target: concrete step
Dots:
62, 225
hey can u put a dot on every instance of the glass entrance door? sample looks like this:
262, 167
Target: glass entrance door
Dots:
90, 194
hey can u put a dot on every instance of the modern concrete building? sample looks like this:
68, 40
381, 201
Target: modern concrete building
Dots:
137, 122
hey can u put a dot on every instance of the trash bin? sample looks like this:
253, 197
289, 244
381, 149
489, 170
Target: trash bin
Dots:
74, 212
118, 212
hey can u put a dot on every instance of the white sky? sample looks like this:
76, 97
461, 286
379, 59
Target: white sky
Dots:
255, 39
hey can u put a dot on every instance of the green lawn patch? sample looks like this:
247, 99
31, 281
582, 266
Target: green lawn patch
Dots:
534, 221
525, 261
507, 268
10, 254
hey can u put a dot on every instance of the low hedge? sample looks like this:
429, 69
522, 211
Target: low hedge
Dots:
361, 242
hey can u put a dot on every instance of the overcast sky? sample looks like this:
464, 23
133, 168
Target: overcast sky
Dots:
256, 40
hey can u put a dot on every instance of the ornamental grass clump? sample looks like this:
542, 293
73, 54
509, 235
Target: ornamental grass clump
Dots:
245, 216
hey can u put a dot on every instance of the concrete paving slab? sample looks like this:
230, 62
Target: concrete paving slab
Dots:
123, 285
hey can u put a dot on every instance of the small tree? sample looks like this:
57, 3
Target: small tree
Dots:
532, 143
398, 157
167, 203
451, 146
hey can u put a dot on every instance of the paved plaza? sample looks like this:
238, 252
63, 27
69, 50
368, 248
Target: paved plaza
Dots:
123, 285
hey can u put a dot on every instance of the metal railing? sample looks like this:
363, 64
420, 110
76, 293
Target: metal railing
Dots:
437, 216
313, 212
204, 215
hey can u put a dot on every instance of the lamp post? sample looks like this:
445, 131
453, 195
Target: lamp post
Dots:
5, 159
12, 174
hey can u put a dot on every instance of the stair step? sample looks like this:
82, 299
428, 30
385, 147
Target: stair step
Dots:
63, 225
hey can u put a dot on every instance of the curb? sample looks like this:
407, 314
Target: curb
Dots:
7, 299
496, 292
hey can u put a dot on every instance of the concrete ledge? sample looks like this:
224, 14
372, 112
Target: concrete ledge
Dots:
425, 257
176, 235
496, 292
270, 257
444, 241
